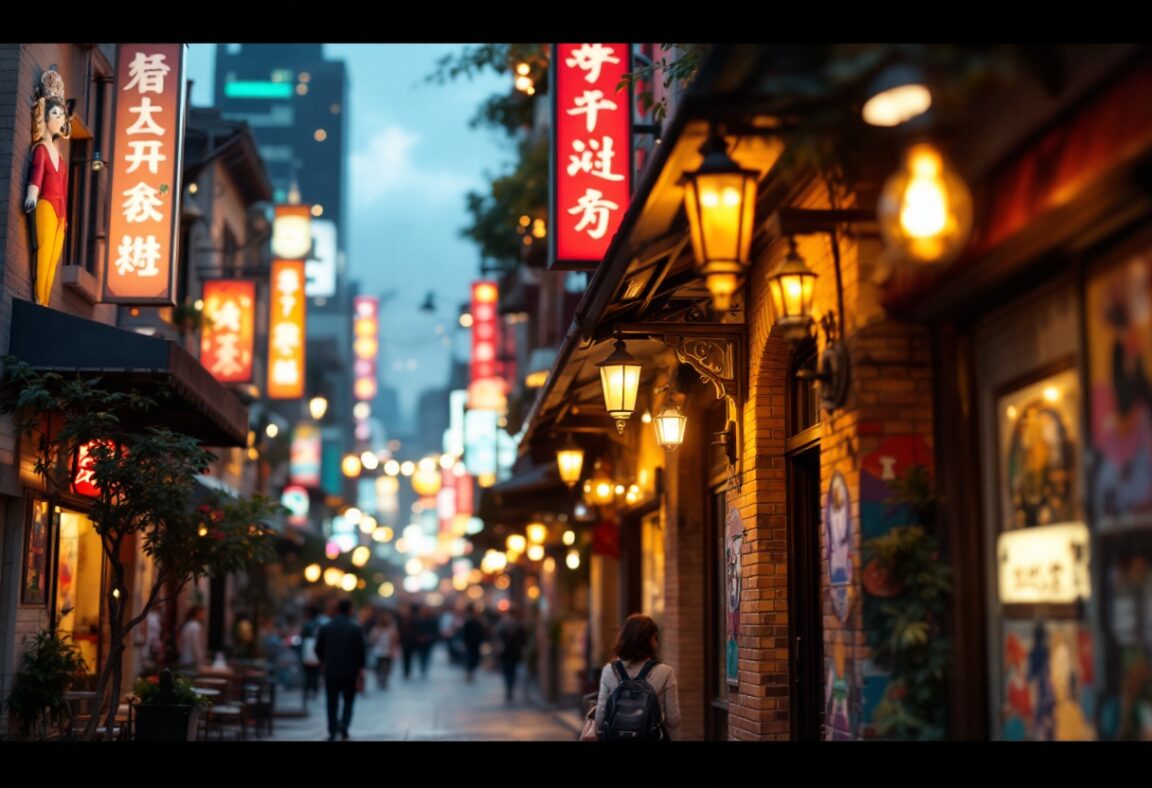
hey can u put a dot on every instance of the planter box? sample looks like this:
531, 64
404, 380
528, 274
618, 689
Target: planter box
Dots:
166, 723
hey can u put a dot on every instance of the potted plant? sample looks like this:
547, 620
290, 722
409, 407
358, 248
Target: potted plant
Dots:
167, 708
144, 480
905, 569
48, 669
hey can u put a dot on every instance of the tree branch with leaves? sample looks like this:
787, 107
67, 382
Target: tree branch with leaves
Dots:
146, 504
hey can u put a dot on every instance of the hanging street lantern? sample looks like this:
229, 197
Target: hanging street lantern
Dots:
925, 209
720, 200
620, 379
570, 461
670, 426
792, 286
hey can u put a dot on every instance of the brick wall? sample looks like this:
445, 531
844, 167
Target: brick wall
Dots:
20, 69
685, 591
889, 398
759, 707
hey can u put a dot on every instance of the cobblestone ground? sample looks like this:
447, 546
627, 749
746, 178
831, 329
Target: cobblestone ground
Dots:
441, 707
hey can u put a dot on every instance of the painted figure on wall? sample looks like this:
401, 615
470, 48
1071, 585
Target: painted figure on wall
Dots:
838, 522
1120, 341
734, 541
47, 195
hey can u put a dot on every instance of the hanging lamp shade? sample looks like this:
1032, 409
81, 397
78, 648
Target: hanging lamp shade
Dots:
670, 426
791, 286
570, 462
720, 200
620, 379
925, 209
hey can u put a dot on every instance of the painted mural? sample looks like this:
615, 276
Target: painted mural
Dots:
841, 692
734, 543
838, 541
1119, 322
1048, 679
1126, 697
894, 457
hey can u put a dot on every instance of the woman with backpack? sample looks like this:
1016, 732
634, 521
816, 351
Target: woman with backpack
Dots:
638, 696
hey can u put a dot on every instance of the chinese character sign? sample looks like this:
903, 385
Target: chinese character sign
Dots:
292, 232
486, 391
286, 330
591, 153
84, 470
365, 344
228, 335
140, 265
304, 464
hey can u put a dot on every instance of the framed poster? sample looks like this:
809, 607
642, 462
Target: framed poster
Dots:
1118, 318
1039, 444
34, 579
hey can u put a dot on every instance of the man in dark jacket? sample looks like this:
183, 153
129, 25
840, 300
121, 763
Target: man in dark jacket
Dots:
340, 647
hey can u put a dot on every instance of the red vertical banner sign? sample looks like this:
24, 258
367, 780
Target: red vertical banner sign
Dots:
591, 158
286, 331
365, 344
486, 387
140, 266
227, 339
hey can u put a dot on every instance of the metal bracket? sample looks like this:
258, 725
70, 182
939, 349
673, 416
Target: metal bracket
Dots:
716, 352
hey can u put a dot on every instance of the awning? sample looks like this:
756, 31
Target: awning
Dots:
198, 405
534, 489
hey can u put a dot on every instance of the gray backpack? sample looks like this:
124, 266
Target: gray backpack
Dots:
633, 712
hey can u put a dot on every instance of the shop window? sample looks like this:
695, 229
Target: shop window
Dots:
804, 399
88, 176
1040, 627
652, 573
79, 571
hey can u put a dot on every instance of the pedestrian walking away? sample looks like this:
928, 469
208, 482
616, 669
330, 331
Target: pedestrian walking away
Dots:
619, 719
340, 648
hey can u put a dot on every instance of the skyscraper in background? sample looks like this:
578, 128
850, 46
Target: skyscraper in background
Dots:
294, 100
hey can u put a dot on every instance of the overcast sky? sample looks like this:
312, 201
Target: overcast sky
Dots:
412, 159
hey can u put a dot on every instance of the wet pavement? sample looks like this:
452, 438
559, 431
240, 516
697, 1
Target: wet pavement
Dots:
440, 707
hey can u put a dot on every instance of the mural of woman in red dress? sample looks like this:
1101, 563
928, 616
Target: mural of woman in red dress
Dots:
47, 195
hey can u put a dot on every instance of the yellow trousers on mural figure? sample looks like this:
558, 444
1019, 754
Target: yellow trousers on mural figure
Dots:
50, 237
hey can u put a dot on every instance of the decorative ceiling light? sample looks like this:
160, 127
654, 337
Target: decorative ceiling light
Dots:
720, 200
570, 461
620, 379
791, 286
897, 95
925, 209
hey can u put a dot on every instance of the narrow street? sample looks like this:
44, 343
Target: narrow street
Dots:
441, 707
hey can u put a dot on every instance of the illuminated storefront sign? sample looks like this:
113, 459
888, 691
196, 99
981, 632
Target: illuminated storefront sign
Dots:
1044, 564
229, 328
591, 151
295, 500
145, 190
365, 325
487, 389
304, 466
480, 428
84, 469
286, 331
320, 267
292, 232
